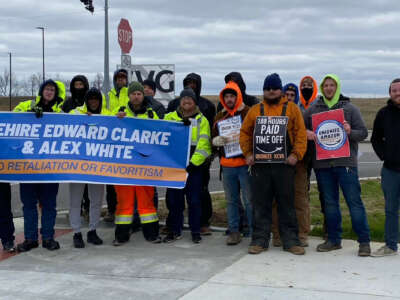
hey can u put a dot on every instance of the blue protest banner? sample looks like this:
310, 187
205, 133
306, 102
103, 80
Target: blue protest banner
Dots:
93, 149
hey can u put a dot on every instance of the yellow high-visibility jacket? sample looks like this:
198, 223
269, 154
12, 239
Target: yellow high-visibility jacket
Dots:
201, 137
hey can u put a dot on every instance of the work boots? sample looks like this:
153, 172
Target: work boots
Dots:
122, 234
50, 244
93, 238
27, 245
78, 240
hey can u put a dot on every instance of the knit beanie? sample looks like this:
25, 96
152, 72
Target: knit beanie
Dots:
135, 86
188, 92
272, 81
228, 91
150, 83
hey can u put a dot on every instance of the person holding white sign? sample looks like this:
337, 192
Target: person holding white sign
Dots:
274, 130
236, 178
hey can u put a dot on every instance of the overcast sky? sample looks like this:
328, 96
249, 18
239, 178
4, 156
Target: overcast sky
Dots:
357, 40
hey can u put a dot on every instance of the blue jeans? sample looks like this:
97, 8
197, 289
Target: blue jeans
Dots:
391, 190
237, 180
329, 181
31, 195
176, 203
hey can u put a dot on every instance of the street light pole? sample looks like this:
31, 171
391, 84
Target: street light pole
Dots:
9, 53
42, 28
106, 83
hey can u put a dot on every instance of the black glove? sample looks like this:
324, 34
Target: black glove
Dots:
191, 167
186, 122
38, 112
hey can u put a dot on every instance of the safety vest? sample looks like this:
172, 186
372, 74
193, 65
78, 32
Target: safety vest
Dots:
200, 136
61, 90
149, 113
117, 101
83, 110
29, 105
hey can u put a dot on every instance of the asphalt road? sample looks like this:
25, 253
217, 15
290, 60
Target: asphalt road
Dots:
369, 166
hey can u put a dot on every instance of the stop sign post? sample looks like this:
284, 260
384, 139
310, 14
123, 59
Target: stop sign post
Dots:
125, 36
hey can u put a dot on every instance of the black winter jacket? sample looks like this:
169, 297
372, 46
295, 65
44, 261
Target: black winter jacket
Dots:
76, 99
238, 79
386, 135
206, 107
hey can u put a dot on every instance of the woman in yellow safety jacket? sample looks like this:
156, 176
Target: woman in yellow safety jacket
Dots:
189, 113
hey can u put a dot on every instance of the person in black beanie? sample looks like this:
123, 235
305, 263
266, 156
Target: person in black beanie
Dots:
188, 112
207, 108
78, 87
150, 91
274, 180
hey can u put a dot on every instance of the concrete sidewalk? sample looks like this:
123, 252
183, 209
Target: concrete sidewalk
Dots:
183, 270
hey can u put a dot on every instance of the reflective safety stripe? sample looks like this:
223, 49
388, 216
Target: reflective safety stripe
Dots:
123, 219
202, 152
33, 104
198, 128
194, 143
148, 218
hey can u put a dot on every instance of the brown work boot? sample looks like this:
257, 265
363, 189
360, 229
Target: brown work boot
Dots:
296, 250
234, 238
276, 242
256, 249
109, 218
205, 230
303, 242
165, 230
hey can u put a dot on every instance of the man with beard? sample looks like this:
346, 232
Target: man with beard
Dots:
137, 107
386, 144
249, 101
301, 198
235, 172
117, 97
340, 172
207, 108
78, 87
271, 181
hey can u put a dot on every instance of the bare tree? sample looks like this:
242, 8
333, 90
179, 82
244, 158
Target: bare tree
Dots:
4, 83
98, 81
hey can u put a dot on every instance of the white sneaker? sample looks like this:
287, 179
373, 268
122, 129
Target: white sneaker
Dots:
383, 251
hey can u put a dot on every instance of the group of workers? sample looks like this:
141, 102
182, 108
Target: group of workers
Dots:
262, 197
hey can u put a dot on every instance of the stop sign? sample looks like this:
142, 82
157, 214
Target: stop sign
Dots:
125, 36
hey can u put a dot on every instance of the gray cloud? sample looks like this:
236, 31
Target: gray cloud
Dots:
357, 40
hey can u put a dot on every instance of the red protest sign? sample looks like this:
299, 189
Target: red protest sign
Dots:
332, 140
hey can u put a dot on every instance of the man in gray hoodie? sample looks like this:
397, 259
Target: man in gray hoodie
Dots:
340, 172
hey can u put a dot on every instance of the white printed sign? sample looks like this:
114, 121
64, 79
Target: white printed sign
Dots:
230, 128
